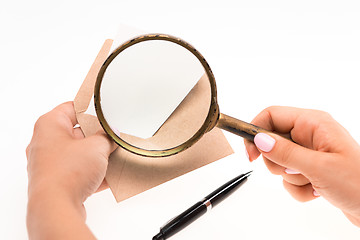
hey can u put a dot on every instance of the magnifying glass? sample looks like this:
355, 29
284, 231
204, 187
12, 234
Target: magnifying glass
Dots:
155, 96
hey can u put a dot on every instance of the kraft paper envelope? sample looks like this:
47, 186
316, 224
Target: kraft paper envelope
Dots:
129, 174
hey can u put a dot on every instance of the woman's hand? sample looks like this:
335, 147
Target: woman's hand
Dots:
64, 168
323, 161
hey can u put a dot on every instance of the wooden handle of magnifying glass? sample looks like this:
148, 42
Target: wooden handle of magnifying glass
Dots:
241, 128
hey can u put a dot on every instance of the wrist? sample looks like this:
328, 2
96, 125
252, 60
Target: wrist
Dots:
44, 193
51, 213
42, 199
52, 186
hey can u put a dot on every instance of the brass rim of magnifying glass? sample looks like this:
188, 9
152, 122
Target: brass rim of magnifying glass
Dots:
209, 122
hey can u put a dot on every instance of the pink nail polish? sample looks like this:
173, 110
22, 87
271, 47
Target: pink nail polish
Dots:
315, 193
247, 155
291, 171
264, 142
116, 131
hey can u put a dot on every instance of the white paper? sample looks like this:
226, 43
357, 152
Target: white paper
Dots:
138, 94
124, 34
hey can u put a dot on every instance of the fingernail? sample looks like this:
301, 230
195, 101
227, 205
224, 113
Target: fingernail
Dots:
116, 131
264, 142
315, 193
247, 155
291, 171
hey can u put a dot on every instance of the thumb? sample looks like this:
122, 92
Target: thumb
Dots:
287, 153
101, 141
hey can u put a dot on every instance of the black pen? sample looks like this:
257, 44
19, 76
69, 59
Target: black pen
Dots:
184, 219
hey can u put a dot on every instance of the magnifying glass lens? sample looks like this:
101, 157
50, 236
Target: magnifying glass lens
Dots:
155, 95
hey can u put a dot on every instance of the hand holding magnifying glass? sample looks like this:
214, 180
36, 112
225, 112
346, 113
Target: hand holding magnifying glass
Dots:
147, 72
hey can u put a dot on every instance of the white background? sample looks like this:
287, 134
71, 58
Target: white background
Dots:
297, 53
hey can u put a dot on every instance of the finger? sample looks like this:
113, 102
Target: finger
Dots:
289, 176
288, 154
104, 185
251, 150
274, 168
269, 119
102, 142
301, 124
59, 121
68, 110
354, 219
296, 179
279, 119
277, 169
78, 133
302, 193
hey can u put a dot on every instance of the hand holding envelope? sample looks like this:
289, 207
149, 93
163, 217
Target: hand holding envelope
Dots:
129, 174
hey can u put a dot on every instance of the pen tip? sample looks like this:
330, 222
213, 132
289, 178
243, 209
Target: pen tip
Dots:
248, 173
158, 236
